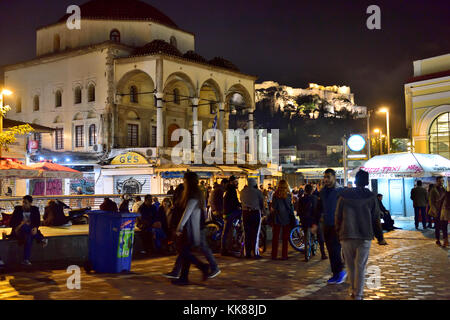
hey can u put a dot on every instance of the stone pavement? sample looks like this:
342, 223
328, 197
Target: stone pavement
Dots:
411, 267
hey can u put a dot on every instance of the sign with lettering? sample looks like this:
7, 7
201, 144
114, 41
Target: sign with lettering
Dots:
129, 158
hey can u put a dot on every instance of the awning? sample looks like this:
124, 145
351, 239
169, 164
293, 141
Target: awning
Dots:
406, 165
11, 168
270, 172
54, 170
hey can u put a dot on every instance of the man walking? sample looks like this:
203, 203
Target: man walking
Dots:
357, 221
327, 206
419, 196
231, 212
252, 205
216, 198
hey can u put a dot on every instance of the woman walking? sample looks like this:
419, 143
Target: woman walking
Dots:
283, 217
190, 226
445, 216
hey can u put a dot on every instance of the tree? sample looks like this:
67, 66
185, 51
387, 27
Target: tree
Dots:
8, 137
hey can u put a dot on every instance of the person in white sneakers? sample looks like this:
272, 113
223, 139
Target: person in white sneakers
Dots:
25, 222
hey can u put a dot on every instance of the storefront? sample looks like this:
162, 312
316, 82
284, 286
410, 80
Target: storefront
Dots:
127, 173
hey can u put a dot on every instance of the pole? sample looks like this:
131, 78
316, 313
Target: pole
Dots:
344, 151
381, 144
368, 134
388, 133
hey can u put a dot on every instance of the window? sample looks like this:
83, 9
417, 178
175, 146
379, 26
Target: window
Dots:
153, 136
440, 135
18, 104
38, 137
133, 94
91, 93
114, 35
58, 99
92, 135
56, 43
176, 96
133, 135
59, 139
36, 103
77, 95
79, 137
173, 41
212, 108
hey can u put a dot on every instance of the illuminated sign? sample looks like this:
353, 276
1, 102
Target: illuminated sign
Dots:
129, 158
356, 142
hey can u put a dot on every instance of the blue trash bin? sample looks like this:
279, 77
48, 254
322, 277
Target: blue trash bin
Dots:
111, 237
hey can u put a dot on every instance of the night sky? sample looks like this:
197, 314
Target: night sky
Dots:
291, 42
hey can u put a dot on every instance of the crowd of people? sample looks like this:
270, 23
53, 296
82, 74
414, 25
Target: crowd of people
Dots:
344, 220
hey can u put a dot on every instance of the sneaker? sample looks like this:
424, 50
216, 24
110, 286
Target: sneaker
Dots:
44, 243
26, 263
171, 275
341, 277
214, 273
332, 280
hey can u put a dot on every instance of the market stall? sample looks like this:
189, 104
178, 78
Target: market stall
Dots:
396, 173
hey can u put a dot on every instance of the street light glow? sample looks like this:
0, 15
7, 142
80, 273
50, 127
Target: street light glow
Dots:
6, 92
384, 110
376, 130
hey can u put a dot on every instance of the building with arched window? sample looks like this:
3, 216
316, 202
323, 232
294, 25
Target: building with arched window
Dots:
131, 78
427, 100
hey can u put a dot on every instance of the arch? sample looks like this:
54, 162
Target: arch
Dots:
439, 135
211, 85
170, 129
424, 123
58, 119
78, 116
36, 103
58, 98
91, 92
56, 43
132, 115
77, 97
241, 90
180, 80
114, 35
143, 84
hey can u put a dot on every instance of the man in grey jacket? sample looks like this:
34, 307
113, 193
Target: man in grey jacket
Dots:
357, 221
252, 201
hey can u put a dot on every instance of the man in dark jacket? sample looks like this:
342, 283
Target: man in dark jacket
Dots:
231, 212
307, 212
357, 222
25, 222
388, 222
216, 198
327, 206
419, 196
147, 211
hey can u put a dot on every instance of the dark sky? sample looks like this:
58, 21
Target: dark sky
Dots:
291, 42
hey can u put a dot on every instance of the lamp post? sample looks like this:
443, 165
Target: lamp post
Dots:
369, 149
4, 92
381, 141
386, 110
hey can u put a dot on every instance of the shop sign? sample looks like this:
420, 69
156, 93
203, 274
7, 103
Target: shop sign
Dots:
129, 158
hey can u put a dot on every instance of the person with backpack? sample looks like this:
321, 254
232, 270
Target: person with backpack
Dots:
308, 214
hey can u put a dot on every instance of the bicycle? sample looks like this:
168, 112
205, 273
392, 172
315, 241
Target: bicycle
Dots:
297, 241
214, 229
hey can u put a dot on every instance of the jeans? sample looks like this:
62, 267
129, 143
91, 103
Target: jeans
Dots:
25, 231
252, 227
285, 231
334, 249
188, 258
422, 212
228, 227
204, 248
356, 253
440, 225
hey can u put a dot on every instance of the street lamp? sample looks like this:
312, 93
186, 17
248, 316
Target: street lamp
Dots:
386, 110
4, 92
381, 145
